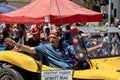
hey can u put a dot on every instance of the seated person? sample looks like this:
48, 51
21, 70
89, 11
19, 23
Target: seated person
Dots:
79, 47
55, 51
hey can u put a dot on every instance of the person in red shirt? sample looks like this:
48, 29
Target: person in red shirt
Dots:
35, 31
59, 29
74, 30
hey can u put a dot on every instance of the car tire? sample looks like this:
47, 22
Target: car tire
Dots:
10, 74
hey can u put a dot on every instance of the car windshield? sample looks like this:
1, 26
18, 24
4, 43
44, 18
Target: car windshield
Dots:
109, 37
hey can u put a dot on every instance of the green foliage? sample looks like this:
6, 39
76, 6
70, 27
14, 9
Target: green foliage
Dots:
3, 1
105, 16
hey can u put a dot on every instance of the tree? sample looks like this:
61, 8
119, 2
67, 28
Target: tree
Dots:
3, 1
90, 3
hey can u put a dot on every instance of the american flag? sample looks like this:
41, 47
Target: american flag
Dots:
21, 41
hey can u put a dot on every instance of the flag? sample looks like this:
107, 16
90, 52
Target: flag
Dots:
21, 41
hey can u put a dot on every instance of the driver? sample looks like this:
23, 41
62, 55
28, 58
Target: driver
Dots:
57, 54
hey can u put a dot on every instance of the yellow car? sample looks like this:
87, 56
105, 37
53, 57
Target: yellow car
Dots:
20, 66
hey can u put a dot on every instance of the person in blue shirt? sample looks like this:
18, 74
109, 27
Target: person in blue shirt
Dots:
79, 46
67, 34
57, 53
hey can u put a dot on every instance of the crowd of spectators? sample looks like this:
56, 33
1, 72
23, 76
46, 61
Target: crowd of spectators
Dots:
36, 34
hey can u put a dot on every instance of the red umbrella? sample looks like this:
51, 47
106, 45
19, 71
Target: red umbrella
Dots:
51, 11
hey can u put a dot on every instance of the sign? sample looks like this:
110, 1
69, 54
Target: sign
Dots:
57, 75
46, 19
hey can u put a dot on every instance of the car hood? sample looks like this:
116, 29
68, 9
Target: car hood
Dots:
102, 68
107, 63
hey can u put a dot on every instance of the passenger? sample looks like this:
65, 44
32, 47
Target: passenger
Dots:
79, 47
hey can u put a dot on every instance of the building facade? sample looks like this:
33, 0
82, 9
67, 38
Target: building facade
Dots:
115, 8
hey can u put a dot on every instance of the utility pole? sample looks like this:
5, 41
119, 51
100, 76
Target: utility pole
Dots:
109, 22
109, 13
109, 17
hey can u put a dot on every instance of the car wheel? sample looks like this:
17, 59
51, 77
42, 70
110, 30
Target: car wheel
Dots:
10, 74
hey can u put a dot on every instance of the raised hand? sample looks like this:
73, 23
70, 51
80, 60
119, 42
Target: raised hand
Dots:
10, 41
